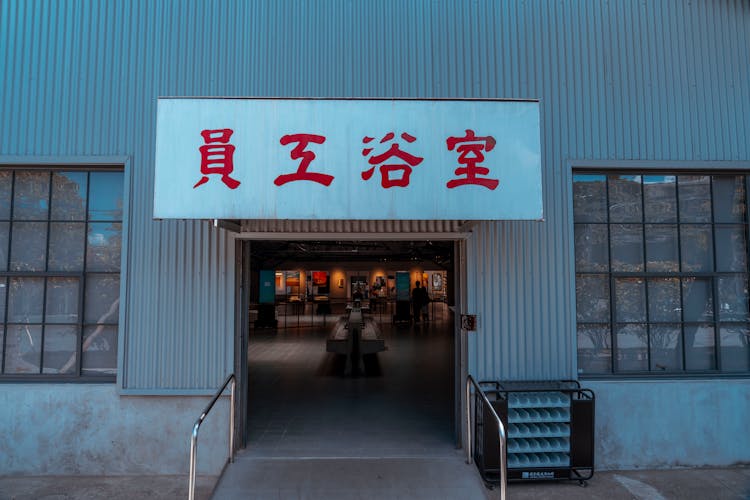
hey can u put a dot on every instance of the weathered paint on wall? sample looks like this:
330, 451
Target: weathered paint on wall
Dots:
90, 430
671, 423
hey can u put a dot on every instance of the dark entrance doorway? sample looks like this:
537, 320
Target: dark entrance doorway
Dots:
305, 401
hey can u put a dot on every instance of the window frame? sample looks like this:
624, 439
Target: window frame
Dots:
51, 166
644, 169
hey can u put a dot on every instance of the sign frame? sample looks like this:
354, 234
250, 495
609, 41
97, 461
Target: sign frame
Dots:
245, 184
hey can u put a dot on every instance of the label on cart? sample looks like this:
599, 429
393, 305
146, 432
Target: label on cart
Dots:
535, 474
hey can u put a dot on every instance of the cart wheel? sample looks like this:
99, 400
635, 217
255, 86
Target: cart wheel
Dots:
582, 483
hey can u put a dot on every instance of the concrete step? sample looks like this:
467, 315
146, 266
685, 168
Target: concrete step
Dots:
443, 477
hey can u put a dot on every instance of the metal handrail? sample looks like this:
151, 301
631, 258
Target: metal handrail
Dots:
194, 436
500, 427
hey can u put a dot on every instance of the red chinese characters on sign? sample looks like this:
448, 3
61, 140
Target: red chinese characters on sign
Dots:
217, 157
469, 150
299, 153
395, 164
398, 161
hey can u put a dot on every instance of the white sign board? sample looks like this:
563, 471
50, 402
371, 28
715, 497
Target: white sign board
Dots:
347, 159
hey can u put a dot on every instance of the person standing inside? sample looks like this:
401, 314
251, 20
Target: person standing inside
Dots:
419, 299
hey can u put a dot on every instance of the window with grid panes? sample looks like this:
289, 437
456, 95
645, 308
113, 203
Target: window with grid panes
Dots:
661, 263
60, 247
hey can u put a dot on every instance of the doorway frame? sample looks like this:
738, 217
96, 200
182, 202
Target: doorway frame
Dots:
242, 303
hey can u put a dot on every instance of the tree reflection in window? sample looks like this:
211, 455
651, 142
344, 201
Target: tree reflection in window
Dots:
60, 252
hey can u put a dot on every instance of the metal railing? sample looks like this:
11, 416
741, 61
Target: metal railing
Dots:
307, 313
500, 427
194, 436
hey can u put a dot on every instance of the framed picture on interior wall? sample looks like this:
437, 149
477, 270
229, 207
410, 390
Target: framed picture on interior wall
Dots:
292, 278
320, 281
437, 281
320, 278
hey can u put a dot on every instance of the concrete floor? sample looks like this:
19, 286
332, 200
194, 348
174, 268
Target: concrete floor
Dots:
303, 403
345, 479
103, 487
453, 479
316, 431
424, 478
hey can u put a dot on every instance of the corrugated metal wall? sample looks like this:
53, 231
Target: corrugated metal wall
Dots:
618, 80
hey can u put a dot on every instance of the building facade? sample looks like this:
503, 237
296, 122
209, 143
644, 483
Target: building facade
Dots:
117, 327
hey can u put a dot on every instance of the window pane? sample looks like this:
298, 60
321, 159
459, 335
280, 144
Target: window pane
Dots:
630, 300
591, 247
31, 196
102, 298
66, 246
104, 247
661, 248
6, 188
627, 247
664, 300
589, 198
40, 313
735, 348
697, 299
60, 348
592, 298
666, 348
729, 198
697, 248
28, 250
660, 198
594, 349
105, 196
632, 351
68, 196
62, 300
3, 292
733, 298
4, 240
695, 198
731, 248
23, 348
99, 350
699, 347
625, 203
26, 300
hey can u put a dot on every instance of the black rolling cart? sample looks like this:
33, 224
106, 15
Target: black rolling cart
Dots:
549, 426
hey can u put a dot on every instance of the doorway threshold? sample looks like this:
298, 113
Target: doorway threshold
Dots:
446, 477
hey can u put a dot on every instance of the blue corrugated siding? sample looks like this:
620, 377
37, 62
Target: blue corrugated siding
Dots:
618, 80
658, 81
